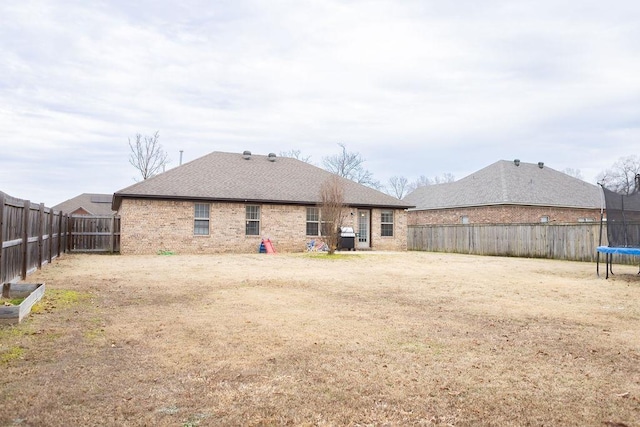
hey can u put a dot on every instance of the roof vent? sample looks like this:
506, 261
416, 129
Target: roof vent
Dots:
516, 162
540, 165
272, 157
246, 154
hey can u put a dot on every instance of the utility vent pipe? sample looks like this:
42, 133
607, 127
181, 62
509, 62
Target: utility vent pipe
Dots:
516, 162
272, 157
246, 154
540, 165
181, 157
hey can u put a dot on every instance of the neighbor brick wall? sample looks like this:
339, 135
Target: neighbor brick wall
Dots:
148, 226
507, 214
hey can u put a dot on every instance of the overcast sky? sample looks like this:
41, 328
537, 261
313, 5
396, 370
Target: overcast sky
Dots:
416, 87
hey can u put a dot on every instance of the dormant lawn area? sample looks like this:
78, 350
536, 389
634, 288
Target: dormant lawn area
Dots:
357, 339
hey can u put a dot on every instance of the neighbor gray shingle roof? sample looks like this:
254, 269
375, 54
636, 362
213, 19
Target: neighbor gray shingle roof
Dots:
95, 204
504, 183
229, 177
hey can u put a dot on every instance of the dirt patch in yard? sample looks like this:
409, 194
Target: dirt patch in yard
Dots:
357, 339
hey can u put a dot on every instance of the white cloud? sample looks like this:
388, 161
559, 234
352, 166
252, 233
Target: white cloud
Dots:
417, 87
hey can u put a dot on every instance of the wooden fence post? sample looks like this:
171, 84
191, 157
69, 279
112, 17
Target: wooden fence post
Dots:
112, 240
50, 257
25, 238
59, 234
40, 234
69, 232
1, 232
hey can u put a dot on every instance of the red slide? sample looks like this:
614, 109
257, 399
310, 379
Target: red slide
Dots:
269, 246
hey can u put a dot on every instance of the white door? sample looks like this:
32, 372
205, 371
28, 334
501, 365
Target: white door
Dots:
364, 228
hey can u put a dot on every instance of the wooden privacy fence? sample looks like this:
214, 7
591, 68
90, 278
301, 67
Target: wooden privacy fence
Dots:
31, 235
574, 242
95, 233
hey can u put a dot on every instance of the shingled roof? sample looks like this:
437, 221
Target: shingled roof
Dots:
235, 177
508, 183
94, 204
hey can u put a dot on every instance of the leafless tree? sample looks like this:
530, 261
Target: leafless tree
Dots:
295, 154
444, 178
348, 164
147, 155
621, 177
332, 211
573, 172
398, 186
423, 181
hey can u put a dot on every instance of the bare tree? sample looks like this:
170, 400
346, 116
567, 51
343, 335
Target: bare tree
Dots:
147, 155
573, 172
332, 211
621, 177
423, 181
295, 154
398, 186
349, 165
444, 178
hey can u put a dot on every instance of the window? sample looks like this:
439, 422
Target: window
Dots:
201, 219
544, 219
586, 220
386, 224
253, 220
313, 221
464, 219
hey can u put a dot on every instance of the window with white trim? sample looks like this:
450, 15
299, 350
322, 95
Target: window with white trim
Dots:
252, 220
201, 219
464, 219
544, 218
386, 223
313, 221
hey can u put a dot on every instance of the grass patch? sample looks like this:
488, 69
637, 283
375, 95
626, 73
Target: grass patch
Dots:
12, 301
10, 354
58, 298
97, 331
13, 331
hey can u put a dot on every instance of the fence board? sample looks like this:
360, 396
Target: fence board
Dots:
574, 242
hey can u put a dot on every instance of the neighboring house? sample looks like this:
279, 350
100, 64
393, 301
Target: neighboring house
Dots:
507, 192
87, 204
229, 202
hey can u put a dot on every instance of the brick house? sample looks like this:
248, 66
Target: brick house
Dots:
507, 192
229, 202
87, 204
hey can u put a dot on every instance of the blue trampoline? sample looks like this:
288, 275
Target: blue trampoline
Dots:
623, 226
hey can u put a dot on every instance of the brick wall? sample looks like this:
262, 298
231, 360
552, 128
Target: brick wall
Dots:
399, 240
507, 214
148, 226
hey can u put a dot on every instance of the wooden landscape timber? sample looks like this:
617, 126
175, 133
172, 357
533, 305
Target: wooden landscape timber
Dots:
32, 293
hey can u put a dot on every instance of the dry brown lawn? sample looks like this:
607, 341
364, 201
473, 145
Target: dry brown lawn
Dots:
394, 339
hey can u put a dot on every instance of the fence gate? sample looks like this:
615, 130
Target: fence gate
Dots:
95, 233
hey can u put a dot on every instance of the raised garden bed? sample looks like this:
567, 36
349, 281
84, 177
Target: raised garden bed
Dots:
31, 292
